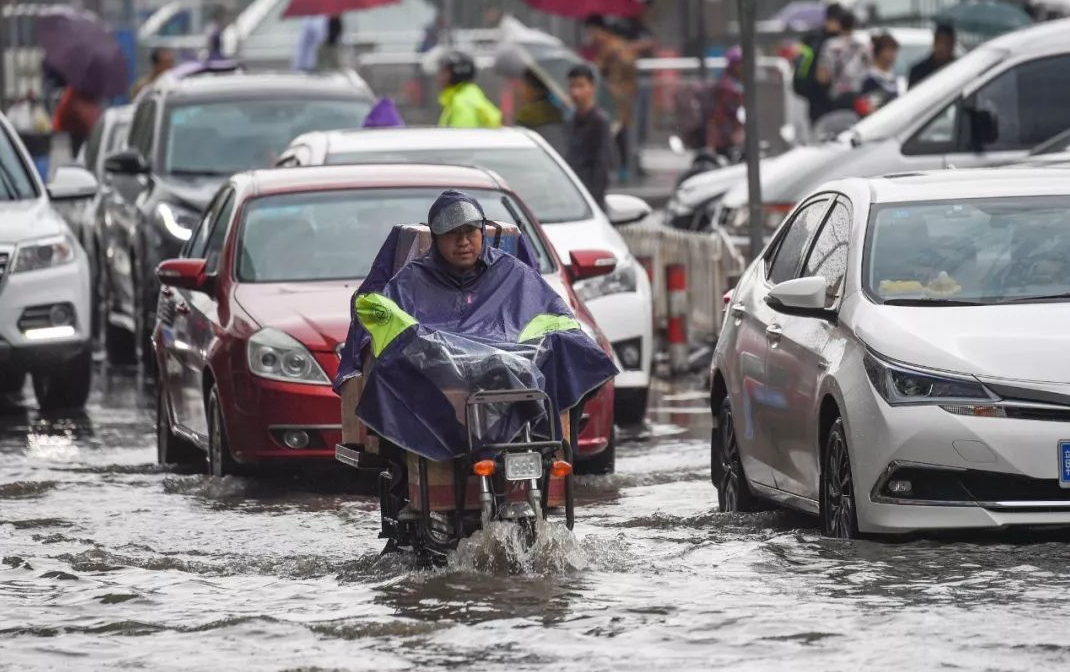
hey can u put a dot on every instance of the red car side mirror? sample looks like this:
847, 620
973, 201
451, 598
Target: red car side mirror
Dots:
591, 263
183, 274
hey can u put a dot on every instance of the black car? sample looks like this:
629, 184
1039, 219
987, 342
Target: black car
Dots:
186, 137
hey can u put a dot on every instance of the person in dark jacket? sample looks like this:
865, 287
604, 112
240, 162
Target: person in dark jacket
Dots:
588, 134
943, 53
805, 80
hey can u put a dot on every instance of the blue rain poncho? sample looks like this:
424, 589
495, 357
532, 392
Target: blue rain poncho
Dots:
435, 338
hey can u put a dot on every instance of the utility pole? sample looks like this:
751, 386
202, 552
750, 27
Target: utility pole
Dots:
750, 127
5, 43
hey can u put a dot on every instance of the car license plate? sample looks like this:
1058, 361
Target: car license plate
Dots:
1064, 464
523, 466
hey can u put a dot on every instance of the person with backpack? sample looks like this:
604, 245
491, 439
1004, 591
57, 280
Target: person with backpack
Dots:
805, 82
464, 105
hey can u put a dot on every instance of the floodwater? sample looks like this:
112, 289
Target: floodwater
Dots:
110, 562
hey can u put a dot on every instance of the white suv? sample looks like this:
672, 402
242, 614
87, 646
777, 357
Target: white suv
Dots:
44, 281
619, 301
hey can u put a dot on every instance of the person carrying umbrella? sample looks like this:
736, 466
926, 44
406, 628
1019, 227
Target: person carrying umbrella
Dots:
76, 115
464, 105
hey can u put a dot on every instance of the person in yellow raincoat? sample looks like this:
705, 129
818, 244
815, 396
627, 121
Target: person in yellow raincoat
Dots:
464, 105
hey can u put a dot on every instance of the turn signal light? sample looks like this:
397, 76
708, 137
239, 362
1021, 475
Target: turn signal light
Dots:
560, 469
483, 468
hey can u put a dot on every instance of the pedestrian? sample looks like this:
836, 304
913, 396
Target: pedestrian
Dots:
76, 115
643, 44
214, 33
329, 54
943, 53
464, 105
726, 129
538, 112
312, 35
881, 85
617, 63
588, 134
804, 82
161, 59
843, 64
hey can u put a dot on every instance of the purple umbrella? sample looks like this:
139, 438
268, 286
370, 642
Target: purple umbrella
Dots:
81, 49
802, 15
384, 115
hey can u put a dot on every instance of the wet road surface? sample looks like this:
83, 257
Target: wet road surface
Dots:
110, 562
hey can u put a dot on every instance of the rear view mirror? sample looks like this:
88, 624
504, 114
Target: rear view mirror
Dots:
126, 162
624, 209
804, 297
72, 182
591, 263
183, 274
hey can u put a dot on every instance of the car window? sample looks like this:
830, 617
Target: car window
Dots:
530, 172
141, 128
116, 139
331, 235
91, 152
213, 251
793, 241
15, 181
980, 250
938, 136
828, 255
198, 240
224, 137
1029, 102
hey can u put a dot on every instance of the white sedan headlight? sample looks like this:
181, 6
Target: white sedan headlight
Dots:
278, 356
179, 222
624, 278
901, 385
44, 253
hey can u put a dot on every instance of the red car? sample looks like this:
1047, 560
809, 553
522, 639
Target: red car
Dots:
252, 315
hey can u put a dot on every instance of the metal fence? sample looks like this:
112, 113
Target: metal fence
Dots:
712, 265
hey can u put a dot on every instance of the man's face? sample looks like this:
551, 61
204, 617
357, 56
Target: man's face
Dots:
581, 91
165, 61
461, 247
443, 77
943, 47
833, 26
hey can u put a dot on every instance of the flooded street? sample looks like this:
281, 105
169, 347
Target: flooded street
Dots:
110, 562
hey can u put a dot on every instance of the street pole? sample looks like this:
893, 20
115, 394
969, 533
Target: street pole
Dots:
4, 44
750, 127
703, 73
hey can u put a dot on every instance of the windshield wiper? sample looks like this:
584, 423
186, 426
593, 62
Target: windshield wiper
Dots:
932, 302
1040, 297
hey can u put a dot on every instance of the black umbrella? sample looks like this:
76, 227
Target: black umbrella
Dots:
81, 49
545, 56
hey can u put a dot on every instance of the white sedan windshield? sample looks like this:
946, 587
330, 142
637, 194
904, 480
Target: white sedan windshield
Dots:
985, 251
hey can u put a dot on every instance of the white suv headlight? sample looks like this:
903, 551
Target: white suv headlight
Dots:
278, 356
624, 278
44, 253
178, 221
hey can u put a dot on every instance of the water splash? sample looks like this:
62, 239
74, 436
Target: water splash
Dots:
505, 547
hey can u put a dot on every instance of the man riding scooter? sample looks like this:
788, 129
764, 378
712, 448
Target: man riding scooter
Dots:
437, 341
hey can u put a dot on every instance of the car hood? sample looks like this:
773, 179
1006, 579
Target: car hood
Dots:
28, 219
790, 176
984, 341
587, 234
315, 313
193, 193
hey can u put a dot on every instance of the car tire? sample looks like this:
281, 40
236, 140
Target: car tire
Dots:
629, 405
171, 448
601, 463
144, 322
839, 516
220, 461
733, 492
119, 344
65, 386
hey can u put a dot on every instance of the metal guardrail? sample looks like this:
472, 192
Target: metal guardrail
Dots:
712, 265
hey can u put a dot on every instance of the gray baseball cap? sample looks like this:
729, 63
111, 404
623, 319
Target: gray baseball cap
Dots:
454, 209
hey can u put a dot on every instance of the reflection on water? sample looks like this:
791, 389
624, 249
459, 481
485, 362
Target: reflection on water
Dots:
112, 561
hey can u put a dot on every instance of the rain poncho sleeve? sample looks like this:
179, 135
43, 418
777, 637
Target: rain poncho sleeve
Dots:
435, 339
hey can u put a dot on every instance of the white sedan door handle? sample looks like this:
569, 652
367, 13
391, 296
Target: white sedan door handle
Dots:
773, 333
738, 310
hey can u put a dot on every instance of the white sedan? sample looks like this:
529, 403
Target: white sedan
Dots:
896, 359
620, 301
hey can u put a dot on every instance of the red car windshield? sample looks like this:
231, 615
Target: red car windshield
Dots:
335, 235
